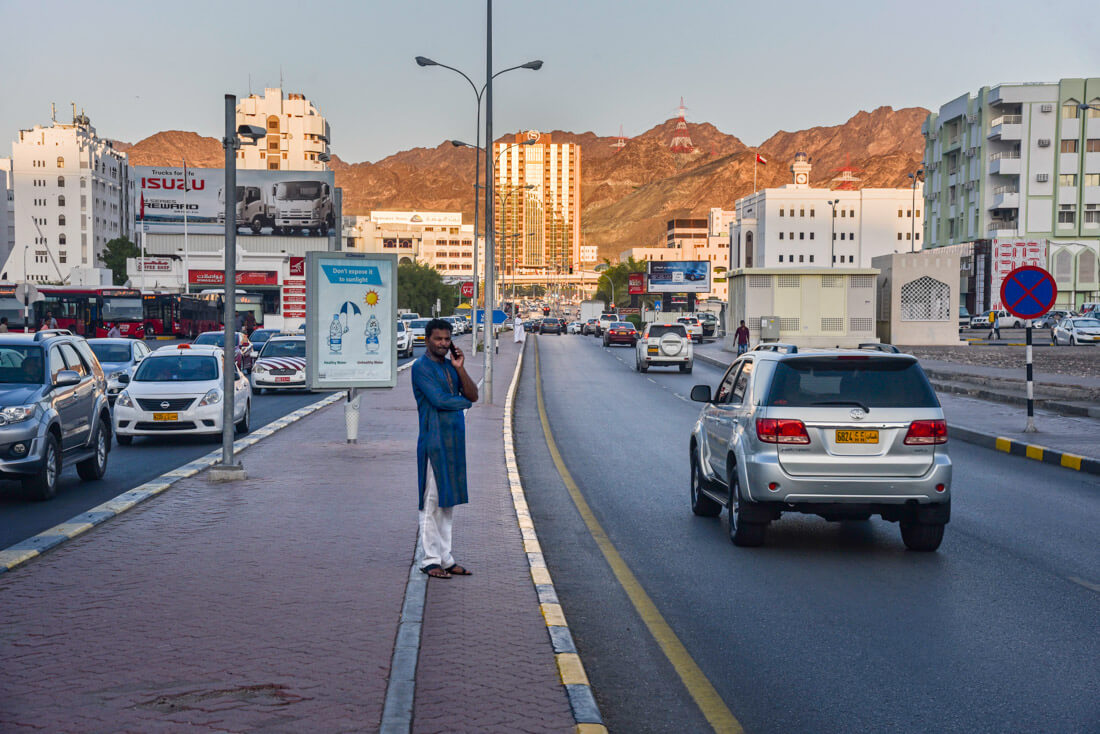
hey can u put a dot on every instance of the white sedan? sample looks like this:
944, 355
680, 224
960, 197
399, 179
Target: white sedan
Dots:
178, 390
281, 364
1076, 330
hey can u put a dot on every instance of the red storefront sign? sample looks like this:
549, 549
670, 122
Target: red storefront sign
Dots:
294, 299
244, 277
295, 291
636, 283
294, 314
297, 267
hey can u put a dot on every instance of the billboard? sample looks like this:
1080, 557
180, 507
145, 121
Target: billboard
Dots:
1008, 255
679, 276
635, 283
268, 202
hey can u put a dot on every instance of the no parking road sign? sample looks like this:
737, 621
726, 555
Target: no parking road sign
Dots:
1028, 292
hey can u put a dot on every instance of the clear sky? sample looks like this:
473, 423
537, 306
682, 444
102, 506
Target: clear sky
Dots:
748, 68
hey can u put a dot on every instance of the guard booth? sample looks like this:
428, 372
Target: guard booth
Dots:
918, 298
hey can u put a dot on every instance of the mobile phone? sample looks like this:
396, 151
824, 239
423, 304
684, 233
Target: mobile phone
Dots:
454, 349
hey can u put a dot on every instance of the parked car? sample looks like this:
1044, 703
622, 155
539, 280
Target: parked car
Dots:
117, 357
404, 340
53, 410
409, 316
620, 332
844, 434
1052, 319
416, 328
709, 322
1005, 320
244, 355
1077, 330
964, 317
550, 326
664, 345
281, 364
178, 390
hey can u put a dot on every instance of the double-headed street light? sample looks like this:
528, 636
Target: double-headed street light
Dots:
832, 232
913, 210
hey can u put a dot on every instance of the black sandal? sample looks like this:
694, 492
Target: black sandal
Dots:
436, 571
457, 570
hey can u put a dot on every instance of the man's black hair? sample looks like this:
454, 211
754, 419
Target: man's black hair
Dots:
437, 324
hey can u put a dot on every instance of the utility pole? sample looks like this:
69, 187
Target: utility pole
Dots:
490, 221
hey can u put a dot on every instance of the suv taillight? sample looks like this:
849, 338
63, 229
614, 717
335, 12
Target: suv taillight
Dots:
924, 433
781, 430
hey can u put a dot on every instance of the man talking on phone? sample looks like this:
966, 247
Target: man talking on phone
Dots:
443, 390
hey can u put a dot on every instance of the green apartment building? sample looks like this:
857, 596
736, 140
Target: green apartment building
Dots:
1019, 163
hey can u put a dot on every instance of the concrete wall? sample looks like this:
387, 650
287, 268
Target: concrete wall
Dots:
918, 298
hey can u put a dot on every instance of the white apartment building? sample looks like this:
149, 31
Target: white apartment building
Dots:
538, 228
297, 135
589, 255
695, 239
7, 210
797, 226
73, 193
1020, 163
437, 239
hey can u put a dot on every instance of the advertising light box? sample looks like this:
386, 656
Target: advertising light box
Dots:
351, 320
679, 276
268, 202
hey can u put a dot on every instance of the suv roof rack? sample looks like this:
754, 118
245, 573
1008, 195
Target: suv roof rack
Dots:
880, 347
47, 333
776, 347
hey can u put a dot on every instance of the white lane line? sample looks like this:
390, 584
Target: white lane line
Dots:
652, 380
1086, 584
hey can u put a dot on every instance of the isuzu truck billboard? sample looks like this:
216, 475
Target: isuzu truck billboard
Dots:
267, 202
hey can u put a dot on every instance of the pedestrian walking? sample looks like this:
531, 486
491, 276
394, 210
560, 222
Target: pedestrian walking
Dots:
443, 390
742, 335
49, 322
994, 326
519, 334
114, 332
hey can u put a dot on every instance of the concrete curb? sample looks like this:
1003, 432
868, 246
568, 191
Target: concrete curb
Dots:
586, 712
16, 555
993, 441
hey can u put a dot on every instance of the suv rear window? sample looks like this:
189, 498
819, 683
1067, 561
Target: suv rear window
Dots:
658, 330
818, 381
21, 365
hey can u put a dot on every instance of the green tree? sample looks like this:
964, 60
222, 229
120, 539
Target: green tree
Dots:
114, 256
619, 276
419, 285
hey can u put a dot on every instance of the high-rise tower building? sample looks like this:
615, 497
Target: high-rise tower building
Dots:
537, 228
297, 135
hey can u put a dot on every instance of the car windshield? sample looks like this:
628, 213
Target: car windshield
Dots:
122, 309
851, 380
419, 323
549, 321
111, 352
211, 338
21, 365
658, 330
177, 368
259, 336
1087, 323
285, 348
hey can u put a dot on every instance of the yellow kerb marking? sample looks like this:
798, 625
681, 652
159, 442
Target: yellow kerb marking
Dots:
540, 575
711, 705
571, 670
553, 615
591, 729
531, 546
1034, 452
1071, 461
1004, 444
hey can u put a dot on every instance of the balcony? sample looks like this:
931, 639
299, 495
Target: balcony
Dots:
1006, 162
1006, 197
1006, 127
1002, 228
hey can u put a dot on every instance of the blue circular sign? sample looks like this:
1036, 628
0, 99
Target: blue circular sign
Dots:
1028, 292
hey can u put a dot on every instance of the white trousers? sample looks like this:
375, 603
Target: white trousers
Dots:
435, 527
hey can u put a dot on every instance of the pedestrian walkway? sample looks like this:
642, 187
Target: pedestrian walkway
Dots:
273, 603
984, 422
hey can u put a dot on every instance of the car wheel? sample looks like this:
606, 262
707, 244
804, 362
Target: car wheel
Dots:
94, 468
743, 534
1073, 340
259, 391
919, 536
701, 505
124, 440
243, 424
685, 368
43, 485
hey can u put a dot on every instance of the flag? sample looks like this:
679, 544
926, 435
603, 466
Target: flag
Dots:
143, 204
761, 159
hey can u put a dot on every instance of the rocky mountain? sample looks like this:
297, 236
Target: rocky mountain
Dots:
627, 193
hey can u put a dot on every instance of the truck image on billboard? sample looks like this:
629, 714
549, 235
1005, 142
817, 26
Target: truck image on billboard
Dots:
679, 276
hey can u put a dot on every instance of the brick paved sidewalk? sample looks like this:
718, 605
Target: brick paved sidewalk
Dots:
272, 604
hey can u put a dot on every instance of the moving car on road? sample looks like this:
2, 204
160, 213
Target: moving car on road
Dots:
574, 327
844, 434
694, 328
53, 410
664, 345
416, 328
620, 332
589, 327
178, 390
1077, 330
281, 364
244, 354
550, 326
260, 336
118, 357
605, 321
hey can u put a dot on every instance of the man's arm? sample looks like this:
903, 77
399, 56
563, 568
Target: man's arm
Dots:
434, 392
469, 389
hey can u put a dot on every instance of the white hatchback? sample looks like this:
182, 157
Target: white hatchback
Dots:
178, 390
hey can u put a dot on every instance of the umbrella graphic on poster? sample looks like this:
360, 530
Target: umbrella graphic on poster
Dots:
338, 328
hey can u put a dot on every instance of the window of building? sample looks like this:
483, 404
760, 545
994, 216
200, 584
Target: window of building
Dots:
851, 213
811, 211
811, 258
1092, 112
834, 236
61, 200
842, 235
780, 235
1067, 213
60, 220
1069, 110
792, 235
780, 211
908, 235
780, 258
801, 258
1092, 179
899, 235
801, 235
1069, 146
1067, 179
273, 166
1092, 145
1092, 214
899, 213
811, 235
975, 218
61, 239
843, 213
802, 212
917, 213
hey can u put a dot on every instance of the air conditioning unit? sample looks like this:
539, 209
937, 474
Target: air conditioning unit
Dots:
972, 117
1044, 142
1046, 107
1042, 177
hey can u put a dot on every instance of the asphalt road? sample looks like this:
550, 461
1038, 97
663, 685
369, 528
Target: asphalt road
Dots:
830, 627
127, 467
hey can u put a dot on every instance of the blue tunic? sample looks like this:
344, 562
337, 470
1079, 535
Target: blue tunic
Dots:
442, 439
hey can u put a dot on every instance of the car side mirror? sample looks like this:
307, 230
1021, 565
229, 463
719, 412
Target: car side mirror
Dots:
701, 393
124, 379
65, 378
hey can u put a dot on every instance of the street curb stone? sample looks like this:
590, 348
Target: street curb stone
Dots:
582, 703
993, 441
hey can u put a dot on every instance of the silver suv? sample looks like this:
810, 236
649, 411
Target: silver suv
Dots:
844, 434
53, 410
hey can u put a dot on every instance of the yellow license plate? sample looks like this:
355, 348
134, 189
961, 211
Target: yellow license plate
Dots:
166, 416
857, 436
651, 350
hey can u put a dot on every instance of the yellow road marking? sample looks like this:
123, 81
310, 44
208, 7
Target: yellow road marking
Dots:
591, 729
1034, 452
1071, 461
571, 670
553, 615
712, 706
1004, 444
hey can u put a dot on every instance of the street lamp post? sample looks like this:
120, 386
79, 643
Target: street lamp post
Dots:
832, 233
913, 211
228, 468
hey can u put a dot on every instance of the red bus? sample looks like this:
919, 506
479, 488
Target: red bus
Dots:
91, 312
178, 314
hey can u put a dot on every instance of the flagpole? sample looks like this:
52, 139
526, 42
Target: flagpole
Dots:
186, 259
755, 160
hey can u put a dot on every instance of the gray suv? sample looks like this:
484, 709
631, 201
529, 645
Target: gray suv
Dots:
844, 434
53, 410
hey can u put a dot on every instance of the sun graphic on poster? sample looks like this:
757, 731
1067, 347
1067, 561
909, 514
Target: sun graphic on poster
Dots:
371, 299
